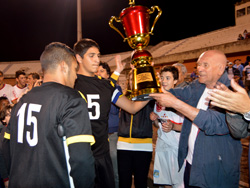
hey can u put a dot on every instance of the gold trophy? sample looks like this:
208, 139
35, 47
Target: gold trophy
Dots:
135, 21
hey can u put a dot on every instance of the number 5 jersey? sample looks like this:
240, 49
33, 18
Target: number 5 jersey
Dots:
100, 93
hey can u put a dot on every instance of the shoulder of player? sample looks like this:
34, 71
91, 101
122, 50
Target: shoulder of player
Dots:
57, 89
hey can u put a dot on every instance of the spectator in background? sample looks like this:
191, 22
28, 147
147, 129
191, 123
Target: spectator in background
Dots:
246, 76
246, 34
247, 61
240, 37
6, 90
4, 101
5, 114
182, 74
32, 79
21, 85
194, 74
231, 71
113, 123
239, 66
238, 80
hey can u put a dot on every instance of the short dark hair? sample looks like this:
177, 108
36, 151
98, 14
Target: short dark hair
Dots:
82, 46
54, 53
20, 72
3, 112
2, 99
34, 75
106, 67
248, 58
171, 69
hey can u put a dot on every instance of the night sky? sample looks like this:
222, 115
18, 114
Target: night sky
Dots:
26, 26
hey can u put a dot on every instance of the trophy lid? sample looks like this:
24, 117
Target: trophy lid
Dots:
133, 9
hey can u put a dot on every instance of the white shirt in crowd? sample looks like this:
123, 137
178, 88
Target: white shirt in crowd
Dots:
247, 68
8, 91
19, 91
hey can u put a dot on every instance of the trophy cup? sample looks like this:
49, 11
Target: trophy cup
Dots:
135, 20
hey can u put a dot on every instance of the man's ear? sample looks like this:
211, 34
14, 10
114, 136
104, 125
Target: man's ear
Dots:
78, 58
221, 69
64, 67
175, 82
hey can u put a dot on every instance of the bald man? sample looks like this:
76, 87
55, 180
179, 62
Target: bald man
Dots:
212, 156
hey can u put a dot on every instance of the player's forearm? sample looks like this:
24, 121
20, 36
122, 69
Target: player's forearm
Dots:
136, 106
129, 106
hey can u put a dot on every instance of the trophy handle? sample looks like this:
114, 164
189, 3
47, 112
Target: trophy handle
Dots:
113, 27
131, 2
152, 9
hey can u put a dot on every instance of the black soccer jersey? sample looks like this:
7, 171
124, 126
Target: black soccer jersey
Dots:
38, 154
99, 93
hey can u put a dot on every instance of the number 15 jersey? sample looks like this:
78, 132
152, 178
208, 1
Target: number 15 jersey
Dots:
39, 123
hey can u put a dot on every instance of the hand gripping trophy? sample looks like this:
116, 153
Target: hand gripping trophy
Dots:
135, 21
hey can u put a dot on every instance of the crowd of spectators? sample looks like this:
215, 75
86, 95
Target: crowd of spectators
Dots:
245, 35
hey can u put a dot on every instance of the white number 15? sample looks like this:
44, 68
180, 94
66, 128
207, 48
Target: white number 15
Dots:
30, 119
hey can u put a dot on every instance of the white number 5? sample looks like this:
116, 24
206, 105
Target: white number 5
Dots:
32, 141
94, 104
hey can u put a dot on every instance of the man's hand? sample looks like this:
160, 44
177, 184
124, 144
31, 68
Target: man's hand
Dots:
164, 99
169, 100
153, 116
235, 101
167, 126
119, 65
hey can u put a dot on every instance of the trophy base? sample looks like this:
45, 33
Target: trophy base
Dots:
144, 97
144, 94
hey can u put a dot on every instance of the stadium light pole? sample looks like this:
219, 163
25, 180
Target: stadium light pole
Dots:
79, 21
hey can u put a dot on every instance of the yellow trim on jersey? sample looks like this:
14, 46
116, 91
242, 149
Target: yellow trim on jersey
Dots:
83, 96
99, 77
131, 124
114, 76
136, 140
80, 138
112, 83
7, 135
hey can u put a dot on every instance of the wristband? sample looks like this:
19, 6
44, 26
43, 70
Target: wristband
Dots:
116, 73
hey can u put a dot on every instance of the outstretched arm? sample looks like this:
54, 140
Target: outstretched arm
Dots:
169, 100
131, 107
